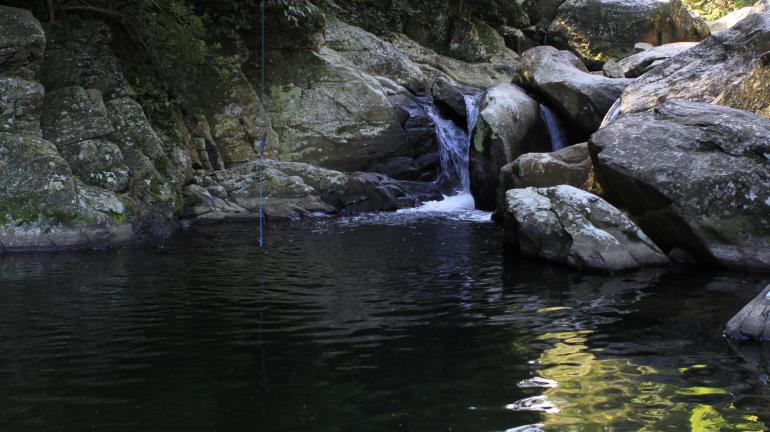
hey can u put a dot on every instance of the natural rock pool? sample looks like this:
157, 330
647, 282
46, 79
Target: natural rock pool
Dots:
409, 321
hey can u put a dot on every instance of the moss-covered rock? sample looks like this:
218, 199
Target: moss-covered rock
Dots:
79, 54
22, 43
20, 105
703, 72
329, 113
373, 55
98, 163
752, 93
73, 114
508, 126
696, 176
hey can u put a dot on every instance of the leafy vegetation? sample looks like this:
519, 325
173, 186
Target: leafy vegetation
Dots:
715, 9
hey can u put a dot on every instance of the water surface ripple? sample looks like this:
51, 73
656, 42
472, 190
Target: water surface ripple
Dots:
403, 323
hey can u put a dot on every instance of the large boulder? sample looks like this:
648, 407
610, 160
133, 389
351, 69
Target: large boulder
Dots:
541, 10
752, 93
474, 41
43, 206
328, 113
292, 190
696, 176
373, 55
98, 163
753, 321
78, 54
452, 99
563, 81
566, 225
703, 72
638, 64
435, 66
603, 30
569, 166
508, 126
73, 114
730, 20
21, 103
22, 43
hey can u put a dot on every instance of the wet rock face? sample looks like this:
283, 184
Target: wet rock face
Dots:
703, 72
563, 81
566, 225
752, 323
508, 126
22, 43
696, 176
603, 30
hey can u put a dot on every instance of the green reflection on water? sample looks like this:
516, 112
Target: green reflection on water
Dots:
616, 394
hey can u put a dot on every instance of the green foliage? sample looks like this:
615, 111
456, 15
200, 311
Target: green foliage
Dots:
714, 9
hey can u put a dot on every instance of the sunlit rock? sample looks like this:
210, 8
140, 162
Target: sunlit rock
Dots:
559, 77
566, 225
603, 30
753, 321
703, 72
696, 176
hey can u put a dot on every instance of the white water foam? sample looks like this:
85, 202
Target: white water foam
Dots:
457, 207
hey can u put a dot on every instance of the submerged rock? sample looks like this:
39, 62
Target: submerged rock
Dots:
753, 321
563, 81
573, 227
603, 30
508, 125
696, 176
703, 72
638, 64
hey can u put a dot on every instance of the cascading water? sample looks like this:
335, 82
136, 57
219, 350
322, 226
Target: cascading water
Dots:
454, 144
454, 147
556, 132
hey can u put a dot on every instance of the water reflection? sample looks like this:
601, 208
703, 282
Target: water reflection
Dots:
354, 325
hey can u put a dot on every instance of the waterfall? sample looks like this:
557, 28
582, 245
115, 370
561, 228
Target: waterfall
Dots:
556, 132
454, 144
612, 114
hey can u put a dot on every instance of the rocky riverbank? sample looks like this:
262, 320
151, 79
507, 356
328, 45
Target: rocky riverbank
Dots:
666, 125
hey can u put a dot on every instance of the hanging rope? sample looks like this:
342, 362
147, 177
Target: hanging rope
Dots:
263, 141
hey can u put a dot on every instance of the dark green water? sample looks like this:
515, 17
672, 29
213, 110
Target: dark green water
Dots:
365, 325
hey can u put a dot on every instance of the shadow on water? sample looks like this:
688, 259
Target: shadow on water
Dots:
406, 323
